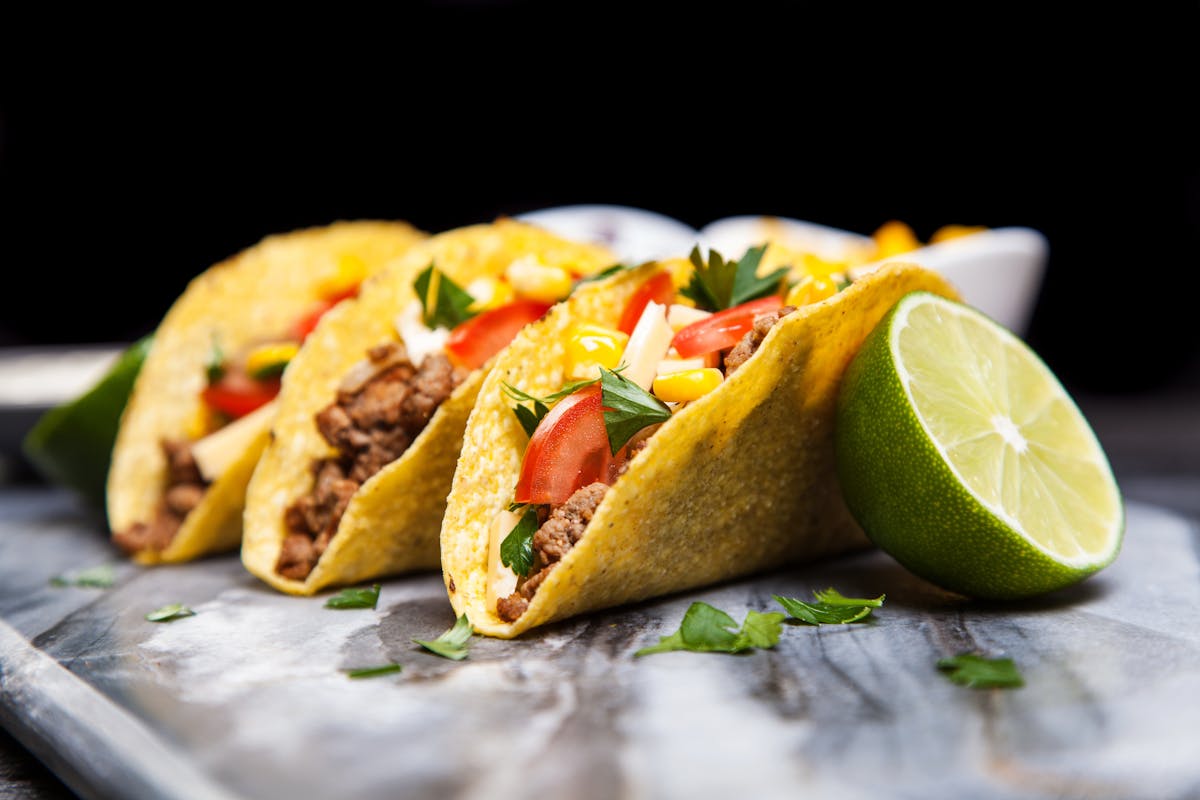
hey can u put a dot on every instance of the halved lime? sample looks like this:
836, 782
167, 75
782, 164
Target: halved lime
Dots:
71, 444
962, 456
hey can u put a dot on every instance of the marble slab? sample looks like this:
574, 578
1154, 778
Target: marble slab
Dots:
248, 699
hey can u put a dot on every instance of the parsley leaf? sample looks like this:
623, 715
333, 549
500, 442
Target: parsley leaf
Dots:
706, 629
170, 612
355, 598
101, 576
444, 304
453, 643
516, 551
529, 417
720, 284
829, 608
977, 672
627, 408
372, 672
214, 367
602, 274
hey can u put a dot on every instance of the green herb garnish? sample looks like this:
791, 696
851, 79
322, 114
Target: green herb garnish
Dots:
444, 304
628, 408
360, 597
170, 612
453, 643
977, 672
272, 370
830, 608
372, 672
101, 576
602, 274
214, 367
516, 551
719, 284
707, 630
530, 416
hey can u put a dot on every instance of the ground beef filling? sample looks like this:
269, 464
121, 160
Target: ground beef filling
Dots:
748, 346
184, 491
370, 426
562, 528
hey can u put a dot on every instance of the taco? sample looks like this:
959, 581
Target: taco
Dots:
698, 449
371, 416
197, 419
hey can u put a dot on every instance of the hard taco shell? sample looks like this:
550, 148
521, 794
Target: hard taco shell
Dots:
261, 292
392, 523
740, 481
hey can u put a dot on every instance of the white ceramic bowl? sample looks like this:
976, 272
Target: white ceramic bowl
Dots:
999, 271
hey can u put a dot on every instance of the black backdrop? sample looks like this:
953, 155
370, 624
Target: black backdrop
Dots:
130, 171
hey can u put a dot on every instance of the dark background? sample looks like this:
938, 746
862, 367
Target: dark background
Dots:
150, 157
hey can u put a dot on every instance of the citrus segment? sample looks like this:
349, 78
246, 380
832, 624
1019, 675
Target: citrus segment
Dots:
963, 456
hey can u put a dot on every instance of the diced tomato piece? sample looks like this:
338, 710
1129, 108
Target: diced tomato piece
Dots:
308, 323
660, 289
473, 342
568, 451
723, 329
237, 394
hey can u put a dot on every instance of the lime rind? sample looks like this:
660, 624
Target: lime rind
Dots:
71, 444
903, 485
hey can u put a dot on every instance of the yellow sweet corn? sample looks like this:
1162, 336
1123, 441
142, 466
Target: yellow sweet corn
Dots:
489, 293
947, 232
270, 359
202, 423
536, 281
893, 238
810, 290
590, 347
690, 384
350, 272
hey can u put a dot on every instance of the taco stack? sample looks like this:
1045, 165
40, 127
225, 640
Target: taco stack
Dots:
694, 449
197, 419
369, 427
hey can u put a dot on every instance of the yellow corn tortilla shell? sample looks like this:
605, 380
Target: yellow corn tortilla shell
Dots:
739, 481
391, 524
259, 293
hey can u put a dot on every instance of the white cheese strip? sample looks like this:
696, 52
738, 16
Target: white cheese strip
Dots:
215, 452
680, 317
502, 581
669, 365
648, 343
419, 339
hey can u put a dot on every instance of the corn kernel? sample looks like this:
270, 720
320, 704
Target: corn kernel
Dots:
489, 293
536, 281
947, 232
691, 384
893, 238
810, 290
202, 422
591, 347
350, 272
270, 359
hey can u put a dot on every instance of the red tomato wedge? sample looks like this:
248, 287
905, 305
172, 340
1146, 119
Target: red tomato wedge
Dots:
723, 329
473, 342
237, 394
660, 289
307, 323
568, 450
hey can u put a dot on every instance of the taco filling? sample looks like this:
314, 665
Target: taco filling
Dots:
235, 399
385, 401
622, 384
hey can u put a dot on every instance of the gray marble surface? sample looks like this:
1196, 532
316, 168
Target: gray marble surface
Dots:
247, 698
